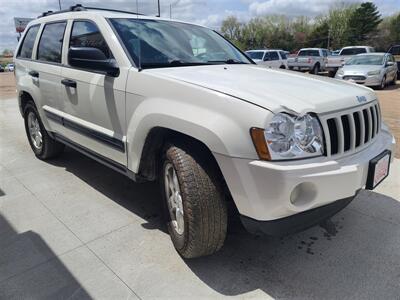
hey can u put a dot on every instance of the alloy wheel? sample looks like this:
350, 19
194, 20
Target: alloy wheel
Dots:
174, 198
35, 132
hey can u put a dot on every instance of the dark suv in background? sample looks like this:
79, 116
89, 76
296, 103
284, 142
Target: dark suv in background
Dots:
395, 51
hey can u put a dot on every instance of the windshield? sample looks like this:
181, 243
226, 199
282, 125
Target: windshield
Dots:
366, 60
255, 54
158, 44
353, 51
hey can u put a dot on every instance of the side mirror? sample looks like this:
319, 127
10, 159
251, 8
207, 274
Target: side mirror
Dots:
92, 59
389, 64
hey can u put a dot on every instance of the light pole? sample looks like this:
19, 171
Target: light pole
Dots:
59, 4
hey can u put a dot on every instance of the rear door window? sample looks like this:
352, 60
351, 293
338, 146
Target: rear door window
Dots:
27, 45
274, 55
87, 34
50, 45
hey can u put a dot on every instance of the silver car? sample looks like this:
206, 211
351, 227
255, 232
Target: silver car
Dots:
370, 69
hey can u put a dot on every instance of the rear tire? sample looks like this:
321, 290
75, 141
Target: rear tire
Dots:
198, 223
316, 69
332, 74
44, 146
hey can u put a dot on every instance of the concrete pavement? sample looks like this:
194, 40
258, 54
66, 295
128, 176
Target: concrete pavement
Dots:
71, 228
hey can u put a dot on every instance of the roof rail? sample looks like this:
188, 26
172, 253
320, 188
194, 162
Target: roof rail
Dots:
80, 7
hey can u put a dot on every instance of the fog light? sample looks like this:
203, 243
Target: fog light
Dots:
303, 194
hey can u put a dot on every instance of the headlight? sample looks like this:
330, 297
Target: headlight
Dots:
289, 137
371, 73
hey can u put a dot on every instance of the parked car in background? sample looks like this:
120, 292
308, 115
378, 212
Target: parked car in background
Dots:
346, 53
1, 68
309, 59
370, 69
270, 58
395, 51
9, 68
335, 53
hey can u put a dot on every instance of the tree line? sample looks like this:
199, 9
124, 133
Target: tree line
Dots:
344, 25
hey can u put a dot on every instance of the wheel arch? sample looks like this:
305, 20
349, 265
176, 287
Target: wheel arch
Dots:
154, 144
23, 98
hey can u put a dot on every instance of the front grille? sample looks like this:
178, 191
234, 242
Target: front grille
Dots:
351, 130
356, 78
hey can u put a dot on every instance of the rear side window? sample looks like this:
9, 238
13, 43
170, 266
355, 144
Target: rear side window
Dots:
283, 55
29, 40
87, 34
50, 45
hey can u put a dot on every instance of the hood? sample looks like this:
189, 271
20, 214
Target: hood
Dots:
360, 69
275, 90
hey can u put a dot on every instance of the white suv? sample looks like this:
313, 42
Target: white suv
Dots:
269, 58
164, 100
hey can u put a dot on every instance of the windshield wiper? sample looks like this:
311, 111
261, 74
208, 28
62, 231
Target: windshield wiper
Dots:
173, 63
229, 62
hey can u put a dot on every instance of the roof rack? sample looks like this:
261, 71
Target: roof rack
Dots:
80, 7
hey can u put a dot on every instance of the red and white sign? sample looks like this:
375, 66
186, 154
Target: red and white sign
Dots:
21, 23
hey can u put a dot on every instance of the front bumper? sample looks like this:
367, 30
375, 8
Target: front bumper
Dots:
263, 190
374, 80
295, 223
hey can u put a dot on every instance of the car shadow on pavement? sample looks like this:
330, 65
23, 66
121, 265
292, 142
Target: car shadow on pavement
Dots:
393, 87
30, 269
141, 199
356, 254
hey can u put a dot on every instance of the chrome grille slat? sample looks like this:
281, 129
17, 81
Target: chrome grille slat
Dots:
351, 130
362, 125
370, 127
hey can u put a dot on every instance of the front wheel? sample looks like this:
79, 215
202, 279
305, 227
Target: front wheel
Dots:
194, 202
40, 141
383, 83
393, 82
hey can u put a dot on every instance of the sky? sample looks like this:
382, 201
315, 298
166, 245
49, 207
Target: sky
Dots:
205, 12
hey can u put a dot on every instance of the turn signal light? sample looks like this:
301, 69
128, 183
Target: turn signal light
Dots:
257, 134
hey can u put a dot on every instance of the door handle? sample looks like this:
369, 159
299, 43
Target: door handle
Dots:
69, 82
34, 74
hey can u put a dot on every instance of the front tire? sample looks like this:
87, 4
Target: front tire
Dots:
393, 82
40, 141
383, 83
194, 201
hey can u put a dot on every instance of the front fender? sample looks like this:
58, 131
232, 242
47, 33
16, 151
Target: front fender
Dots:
219, 131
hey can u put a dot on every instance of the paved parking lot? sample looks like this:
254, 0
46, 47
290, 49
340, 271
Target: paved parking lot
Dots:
71, 228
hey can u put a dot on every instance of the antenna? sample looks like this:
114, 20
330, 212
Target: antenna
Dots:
159, 9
